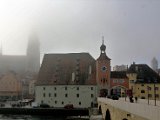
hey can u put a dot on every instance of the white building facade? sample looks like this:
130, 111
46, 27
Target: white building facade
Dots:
81, 96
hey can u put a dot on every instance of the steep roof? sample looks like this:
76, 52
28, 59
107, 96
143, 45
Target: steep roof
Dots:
103, 56
144, 73
61, 69
118, 74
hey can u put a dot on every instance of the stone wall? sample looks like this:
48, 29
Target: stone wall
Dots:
118, 114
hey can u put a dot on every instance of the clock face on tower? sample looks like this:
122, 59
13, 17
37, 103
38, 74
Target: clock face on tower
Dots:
104, 68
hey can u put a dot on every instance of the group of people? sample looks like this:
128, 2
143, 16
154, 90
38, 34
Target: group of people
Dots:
131, 99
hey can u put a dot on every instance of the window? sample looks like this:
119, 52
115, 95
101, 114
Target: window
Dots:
55, 88
42, 102
62, 102
77, 88
157, 95
55, 102
65, 88
44, 94
156, 88
55, 95
121, 81
142, 97
149, 95
44, 88
49, 94
104, 79
91, 88
142, 91
66, 95
92, 95
77, 95
115, 81
79, 103
131, 81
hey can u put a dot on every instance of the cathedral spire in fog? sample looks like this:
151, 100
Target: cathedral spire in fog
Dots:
154, 64
33, 53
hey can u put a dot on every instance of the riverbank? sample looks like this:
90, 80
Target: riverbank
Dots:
46, 111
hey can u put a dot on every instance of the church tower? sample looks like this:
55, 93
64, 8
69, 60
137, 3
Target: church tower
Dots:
103, 70
154, 64
33, 54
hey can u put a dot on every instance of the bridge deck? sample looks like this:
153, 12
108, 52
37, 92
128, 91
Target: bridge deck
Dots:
141, 108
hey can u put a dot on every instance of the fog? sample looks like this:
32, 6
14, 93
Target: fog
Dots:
131, 28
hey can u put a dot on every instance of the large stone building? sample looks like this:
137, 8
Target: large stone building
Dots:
67, 79
109, 82
103, 70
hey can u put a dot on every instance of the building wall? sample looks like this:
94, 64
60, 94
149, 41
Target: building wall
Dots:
10, 86
143, 90
120, 85
103, 76
123, 82
60, 95
132, 79
32, 87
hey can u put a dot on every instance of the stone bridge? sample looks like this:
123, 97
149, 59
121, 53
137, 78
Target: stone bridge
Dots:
124, 110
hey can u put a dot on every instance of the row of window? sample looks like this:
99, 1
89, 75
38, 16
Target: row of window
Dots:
149, 88
143, 91
103, 80
150, 95
66, 95
56, 102
65, 88
118, 81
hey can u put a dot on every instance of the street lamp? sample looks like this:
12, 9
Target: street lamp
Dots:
148, 88
155, 81
125, 93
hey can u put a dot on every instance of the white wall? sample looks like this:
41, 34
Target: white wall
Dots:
87, 95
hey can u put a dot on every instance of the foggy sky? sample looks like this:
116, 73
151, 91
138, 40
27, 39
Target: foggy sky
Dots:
131, 28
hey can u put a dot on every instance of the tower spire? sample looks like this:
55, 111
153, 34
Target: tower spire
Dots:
33, 53
103, 47
102, 40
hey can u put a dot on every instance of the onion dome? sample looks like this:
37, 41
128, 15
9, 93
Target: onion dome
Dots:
103, 47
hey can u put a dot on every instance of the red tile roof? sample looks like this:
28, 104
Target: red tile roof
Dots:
58, 69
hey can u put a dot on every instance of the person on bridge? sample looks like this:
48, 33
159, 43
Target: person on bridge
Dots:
136, 99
